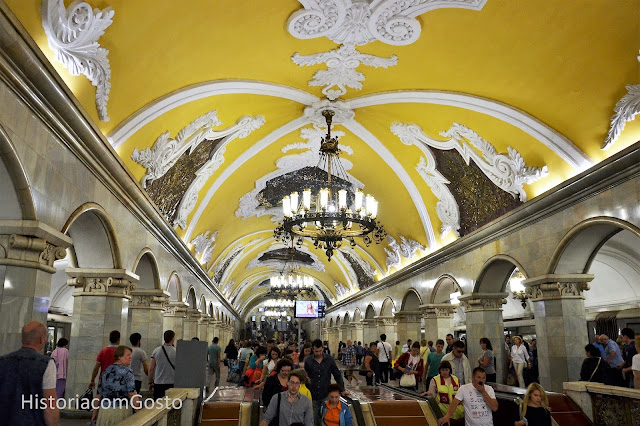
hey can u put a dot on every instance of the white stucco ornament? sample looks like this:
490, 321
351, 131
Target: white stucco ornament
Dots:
308, 157
166, 151
204, 245
341, 72
507, 171
352, 22
625, 110
73, 35
393, 253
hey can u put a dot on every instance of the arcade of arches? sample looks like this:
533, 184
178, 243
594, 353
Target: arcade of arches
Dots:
126, 203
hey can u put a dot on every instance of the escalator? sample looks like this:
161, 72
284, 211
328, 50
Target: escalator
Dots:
383, 405
231, 406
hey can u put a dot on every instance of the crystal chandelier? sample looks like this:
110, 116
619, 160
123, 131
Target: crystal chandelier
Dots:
290, 282
275, 313
279, 303
337, 212
517, 288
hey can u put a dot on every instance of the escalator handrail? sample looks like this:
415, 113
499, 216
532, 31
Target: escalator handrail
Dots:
357, 408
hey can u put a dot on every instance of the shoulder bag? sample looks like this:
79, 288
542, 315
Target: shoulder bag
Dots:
165, 354
276, 419
595, 369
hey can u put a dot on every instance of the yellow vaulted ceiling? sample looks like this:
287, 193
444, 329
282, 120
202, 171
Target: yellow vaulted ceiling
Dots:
561, 65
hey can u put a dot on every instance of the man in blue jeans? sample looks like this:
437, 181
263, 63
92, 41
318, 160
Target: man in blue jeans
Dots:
320, 367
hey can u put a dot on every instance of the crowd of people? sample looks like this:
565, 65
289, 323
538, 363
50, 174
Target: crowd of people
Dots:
302, 383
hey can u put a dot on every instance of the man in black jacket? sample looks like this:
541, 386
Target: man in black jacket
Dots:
28, 381
320, 367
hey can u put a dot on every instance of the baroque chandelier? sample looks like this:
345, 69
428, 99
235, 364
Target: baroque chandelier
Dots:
337, 212
279, 303
290, 282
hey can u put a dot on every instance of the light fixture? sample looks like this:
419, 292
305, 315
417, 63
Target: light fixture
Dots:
275, 313
517, 288
290, 282
453, 298
279, 303
337, 212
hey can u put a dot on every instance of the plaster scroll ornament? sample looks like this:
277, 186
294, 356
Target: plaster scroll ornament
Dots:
351, 22
409, 248
508, 171
166, 151
341, 290
73, 35
393, 253
204, 245
341, 72
249, 204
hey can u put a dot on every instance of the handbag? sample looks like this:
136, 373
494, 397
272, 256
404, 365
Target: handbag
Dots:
86, 398
408, 381
225, 362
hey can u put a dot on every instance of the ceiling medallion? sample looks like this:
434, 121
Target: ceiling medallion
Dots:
336, 214
290, 282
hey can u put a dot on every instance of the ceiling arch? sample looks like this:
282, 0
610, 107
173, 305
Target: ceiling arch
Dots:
521, 76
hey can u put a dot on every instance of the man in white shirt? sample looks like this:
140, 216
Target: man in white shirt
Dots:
479, 401
162, 369
406, 348
384, 354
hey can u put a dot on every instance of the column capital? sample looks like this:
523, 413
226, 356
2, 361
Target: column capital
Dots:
31, 244
438, 310
193, 314
408, 316
557, 286
175, 309
357, 325
102, 282
483, 301
380, 320
148, 299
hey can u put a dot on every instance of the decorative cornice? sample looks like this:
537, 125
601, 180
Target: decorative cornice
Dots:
380, 320
438, 310
102, 282
507, 171
557, 286
408, 316
175, 309
73, 36
31, 244
148, 299
341, 69
476, 302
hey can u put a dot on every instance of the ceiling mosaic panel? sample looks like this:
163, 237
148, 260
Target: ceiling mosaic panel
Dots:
479, 200
168, 190
284, 254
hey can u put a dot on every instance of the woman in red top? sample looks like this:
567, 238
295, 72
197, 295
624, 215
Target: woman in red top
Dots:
411, 363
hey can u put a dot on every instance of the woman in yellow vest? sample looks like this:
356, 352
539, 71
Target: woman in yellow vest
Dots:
444, 388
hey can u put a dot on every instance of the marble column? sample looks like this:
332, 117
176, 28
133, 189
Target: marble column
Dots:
484, 319
387, 325
438, 320
409, 324
203, 324
345, 332
211, 331
191, 324
561, 326
174, 315
100, 305
27, 251
146, 317
369, 331
333, 340
357, 332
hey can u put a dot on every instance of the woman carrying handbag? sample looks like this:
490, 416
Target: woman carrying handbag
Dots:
411, 366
